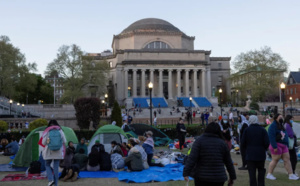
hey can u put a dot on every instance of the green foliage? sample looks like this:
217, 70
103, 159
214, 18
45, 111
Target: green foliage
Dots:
254, 105
87, 109
258, 73
37, 123
81, 74
116, 114
3, 126
15, 72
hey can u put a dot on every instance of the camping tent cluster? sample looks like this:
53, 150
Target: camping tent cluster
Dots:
30, 150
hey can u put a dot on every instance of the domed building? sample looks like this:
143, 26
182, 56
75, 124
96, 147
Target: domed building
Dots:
154, 50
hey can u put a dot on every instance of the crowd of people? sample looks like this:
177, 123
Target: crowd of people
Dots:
254, 142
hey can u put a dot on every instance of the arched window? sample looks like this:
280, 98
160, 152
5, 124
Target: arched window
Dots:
157, 45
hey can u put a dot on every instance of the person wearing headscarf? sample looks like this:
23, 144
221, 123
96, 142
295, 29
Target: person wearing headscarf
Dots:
136, 143
202, 167
255, 141
134, 161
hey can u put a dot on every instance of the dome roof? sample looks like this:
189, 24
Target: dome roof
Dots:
151, 24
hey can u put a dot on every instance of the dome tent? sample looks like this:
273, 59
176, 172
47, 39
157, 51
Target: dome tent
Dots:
30, 150
106, 135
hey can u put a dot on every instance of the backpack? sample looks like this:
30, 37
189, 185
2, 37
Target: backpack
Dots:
55, 140
35, 167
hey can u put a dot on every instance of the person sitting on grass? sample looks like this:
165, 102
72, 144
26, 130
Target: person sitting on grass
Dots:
12, 148
117, 162
70, 174
136, 143
82, 145
98, 146
104, 161
148, 145
81, 159
115, 148
125, 149
134, 161
93, 160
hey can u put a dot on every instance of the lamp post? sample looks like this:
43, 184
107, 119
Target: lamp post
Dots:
191, 103
150, 86
237, 97
220, 95
18, 104
105, 97
282, 87
291, 101
10, 102
129, 89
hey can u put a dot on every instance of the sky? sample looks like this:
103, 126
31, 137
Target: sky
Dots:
227, 28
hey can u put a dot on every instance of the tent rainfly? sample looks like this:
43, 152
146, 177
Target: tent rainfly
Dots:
30, 150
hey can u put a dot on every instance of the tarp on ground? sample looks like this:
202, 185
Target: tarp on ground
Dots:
30, 150
171, 172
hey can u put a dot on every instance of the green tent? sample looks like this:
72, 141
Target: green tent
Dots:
30, 150
106, 135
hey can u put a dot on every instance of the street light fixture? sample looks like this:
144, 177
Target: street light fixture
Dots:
10, 102
105, 97
282, 87
291, 101
220, 95
191, 102
237, 97
129, 89
150, 86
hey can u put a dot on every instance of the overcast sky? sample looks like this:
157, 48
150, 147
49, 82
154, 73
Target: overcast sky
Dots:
227, 28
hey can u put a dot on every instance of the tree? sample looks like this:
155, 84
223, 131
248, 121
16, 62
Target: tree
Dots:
87, 109
14, 71
258, 73
116, 114
38, 90
81, 74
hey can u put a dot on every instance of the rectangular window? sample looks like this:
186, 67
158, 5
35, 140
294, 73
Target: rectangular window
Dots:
291, 91
291, 80
287, 91
220, 65
147, 76
138, 76
147, 92
138, 91
129, 76
295, 90
181, 90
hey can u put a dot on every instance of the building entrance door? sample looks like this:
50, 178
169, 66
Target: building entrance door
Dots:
165, 90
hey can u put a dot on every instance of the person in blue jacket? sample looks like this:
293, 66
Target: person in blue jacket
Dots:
12, 148
279, 147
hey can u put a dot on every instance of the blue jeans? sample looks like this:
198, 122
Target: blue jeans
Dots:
50, 171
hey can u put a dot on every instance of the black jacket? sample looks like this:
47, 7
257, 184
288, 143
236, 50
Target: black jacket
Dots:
244, 127
256, 141
207, 158
105, 162
180, 126
94, 159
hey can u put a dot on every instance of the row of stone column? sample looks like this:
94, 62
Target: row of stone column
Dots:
205, 76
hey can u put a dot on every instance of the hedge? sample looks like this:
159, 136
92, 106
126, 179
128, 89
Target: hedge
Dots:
37, 123
3, 126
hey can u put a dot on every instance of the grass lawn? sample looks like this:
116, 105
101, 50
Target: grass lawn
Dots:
242, 177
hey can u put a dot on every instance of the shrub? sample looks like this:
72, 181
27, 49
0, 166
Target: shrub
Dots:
3, 126
37, 123
87, 109
254, 105
116, 114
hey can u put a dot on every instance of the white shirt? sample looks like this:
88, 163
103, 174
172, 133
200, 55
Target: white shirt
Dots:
231, 116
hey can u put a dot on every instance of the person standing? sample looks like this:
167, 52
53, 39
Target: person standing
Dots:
53, 140
202, 118
292, 141
231, 119
225, 128
245, 125
208, 156
206, 116
181, 132
255, 141
279, 148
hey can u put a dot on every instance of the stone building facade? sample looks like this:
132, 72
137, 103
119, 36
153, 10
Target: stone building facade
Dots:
153, 50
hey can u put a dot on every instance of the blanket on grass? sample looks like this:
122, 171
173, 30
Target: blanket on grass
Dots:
22, 177
171, 172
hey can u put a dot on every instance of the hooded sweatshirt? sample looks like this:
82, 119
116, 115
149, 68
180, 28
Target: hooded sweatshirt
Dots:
134, 159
